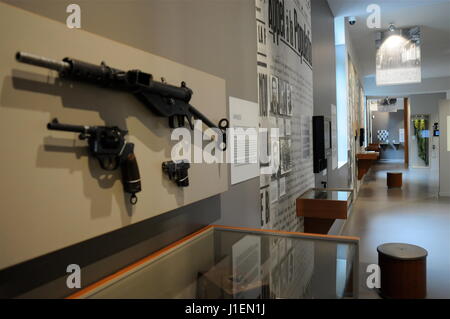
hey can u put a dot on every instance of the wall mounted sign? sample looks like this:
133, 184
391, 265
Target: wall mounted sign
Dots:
243, 141
398, 59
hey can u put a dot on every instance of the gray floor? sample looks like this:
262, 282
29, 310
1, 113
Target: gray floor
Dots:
413, 214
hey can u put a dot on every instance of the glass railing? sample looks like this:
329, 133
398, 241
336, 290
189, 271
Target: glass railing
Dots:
238, 263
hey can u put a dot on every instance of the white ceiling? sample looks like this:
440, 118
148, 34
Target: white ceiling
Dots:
432, 15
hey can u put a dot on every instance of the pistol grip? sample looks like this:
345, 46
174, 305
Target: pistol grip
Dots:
131, 178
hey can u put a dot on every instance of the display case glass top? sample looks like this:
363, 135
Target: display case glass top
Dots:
324, 204
238, 263
327, 195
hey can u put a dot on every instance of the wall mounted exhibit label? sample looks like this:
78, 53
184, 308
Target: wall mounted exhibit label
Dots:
243, 142
398, 59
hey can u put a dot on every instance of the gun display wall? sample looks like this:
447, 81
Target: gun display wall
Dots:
59, 190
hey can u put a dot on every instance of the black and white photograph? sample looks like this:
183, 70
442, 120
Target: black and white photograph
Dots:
287, 127
275, 155
289, 99
305, 134
261, 29
264, 147
263, 94
262, 37
282, 97
282, 187
274, 95
285, 155
398, 57
265, 207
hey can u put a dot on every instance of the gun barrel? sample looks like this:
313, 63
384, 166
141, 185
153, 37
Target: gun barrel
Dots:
56, 126
198, 115
32, 59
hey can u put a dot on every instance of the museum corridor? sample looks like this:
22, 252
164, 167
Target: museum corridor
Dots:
413, 214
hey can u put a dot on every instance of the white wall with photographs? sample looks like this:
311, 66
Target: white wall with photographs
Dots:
285, 102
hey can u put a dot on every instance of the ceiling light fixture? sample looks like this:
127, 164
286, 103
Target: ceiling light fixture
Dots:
392, 27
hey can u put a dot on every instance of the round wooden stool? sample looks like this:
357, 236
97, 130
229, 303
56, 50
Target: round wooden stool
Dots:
403, 271
394, 180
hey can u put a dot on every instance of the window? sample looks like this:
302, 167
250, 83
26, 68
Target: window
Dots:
341, 91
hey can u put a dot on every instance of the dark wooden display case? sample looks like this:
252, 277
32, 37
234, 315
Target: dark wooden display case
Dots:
365, 161
321, 207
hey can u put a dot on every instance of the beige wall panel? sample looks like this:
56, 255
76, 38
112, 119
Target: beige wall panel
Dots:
54, 195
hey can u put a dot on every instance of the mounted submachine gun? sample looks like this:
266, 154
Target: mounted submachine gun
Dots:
108, 145
162, 99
